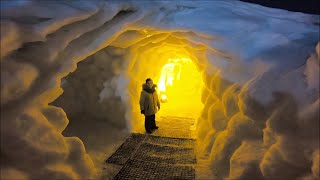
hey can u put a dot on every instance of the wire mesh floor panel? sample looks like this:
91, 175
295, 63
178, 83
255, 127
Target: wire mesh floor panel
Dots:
176, 142
165, 154
153, 157
125, 151
175, 127
174, 133
136, 169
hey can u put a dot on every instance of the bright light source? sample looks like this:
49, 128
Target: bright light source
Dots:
171, 74
163, 97
179, 88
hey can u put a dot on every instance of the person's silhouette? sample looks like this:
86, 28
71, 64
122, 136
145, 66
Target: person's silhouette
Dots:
149, 105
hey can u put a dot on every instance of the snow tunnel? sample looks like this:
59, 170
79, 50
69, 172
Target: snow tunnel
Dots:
247, 77
166, 57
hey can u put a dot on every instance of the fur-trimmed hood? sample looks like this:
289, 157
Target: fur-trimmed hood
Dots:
146, 88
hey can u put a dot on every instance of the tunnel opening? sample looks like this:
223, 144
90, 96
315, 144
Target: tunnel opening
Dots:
174, 62
179, 88
103, 92
106, 78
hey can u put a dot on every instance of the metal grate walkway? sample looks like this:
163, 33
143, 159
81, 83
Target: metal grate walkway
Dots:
153, 157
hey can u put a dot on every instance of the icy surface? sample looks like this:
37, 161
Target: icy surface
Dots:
260, 68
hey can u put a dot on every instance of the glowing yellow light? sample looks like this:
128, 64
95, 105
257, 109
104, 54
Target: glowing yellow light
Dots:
163, 97
179, 88
167, 77
171, 72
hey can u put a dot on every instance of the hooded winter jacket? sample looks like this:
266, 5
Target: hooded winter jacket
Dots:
149, 100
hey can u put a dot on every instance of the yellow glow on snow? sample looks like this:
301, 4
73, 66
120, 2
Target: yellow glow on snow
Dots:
177, 74
179, 88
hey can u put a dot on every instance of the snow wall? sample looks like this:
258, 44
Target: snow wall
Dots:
260, 68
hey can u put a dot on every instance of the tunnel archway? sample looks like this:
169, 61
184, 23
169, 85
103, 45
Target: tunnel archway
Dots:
159, 60
150, 51
104, 90
167, 62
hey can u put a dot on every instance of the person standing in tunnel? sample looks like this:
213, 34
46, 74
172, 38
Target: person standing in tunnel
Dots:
149, 102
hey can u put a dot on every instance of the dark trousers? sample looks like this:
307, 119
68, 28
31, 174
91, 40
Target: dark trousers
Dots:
150, 122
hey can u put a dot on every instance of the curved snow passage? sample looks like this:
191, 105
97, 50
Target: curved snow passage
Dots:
259, 66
